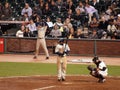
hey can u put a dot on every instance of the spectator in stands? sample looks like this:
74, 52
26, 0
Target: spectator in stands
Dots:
37, 10
38, 20
95, 4
69, 14
66, 3
111, 28
34, 17
32, 27
27, 9
103, 23
20, 33
109, 11
6, 12
85, 32
59, 22
91, 11
71, 6
41, 4
50, 25
56, 33
78, 18
57, 8
116, 35
81, 7
79, 33
27, 32
105, 36
117, 22
67, 25
25, 17
93, 35
46, 10
86, 1
71, 33
53, 7
94, 24
59, 3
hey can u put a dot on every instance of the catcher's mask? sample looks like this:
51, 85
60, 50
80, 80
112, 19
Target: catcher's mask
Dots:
95, 58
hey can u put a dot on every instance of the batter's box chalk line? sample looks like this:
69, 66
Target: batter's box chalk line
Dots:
80, 61
44, 88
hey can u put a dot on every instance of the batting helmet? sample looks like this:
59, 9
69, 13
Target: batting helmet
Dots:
61, 40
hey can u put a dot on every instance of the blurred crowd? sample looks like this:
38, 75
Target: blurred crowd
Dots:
88, 19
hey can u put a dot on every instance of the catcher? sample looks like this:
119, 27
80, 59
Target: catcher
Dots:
61, 50
100, 71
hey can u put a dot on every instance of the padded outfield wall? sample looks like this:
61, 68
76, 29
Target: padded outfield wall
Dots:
78, 46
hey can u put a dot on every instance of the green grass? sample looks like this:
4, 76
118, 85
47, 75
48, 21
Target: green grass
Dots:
28, 69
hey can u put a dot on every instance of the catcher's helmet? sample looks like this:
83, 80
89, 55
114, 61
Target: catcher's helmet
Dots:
95, 58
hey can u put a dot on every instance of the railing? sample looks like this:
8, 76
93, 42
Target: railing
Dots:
11, 22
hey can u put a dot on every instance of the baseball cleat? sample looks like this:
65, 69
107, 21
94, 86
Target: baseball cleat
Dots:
47, 57
63, 79
34, 57
59, 80
101, 80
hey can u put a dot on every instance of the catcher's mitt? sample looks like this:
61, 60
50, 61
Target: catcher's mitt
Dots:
90, 68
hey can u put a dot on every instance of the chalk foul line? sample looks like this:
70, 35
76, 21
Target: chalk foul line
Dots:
43, 88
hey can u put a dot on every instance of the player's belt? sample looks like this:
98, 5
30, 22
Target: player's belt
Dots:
61, 55
40, 37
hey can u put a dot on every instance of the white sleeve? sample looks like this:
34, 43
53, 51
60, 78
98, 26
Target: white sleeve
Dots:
67, 48
101, 65
108, 27
57, 48
35, 28
17, 33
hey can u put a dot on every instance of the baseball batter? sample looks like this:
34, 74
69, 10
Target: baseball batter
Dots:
41, 40
61, 50
100, 71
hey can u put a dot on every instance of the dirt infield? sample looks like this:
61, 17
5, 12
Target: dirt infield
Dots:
51, 83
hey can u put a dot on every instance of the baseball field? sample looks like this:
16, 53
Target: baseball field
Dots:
21, 72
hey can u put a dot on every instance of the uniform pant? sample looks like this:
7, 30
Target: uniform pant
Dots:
41, 42
100, 74
61, 67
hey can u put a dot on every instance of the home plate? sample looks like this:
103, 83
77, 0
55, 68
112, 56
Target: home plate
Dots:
67, 83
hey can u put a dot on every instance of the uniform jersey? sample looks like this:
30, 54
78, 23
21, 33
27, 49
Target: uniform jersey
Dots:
41, 32
62, 48
19, 33
102, 68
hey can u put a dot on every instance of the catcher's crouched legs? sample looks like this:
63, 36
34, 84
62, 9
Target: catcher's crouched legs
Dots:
95, 74
99, 76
